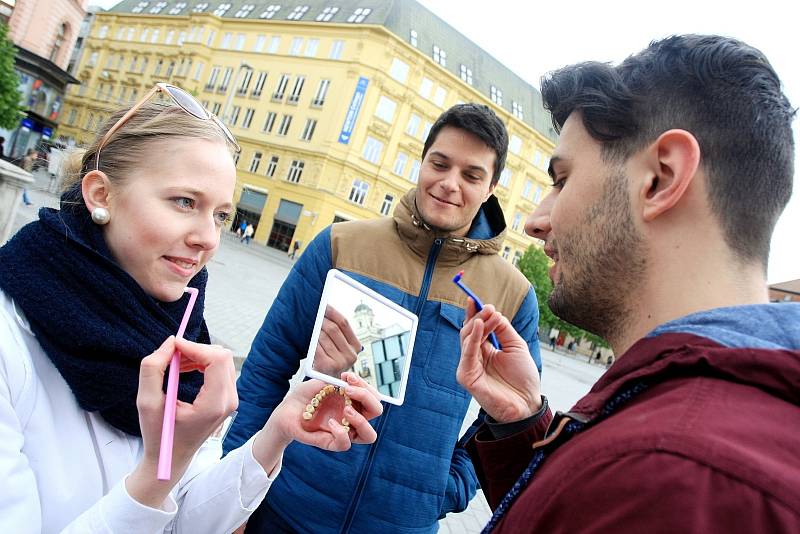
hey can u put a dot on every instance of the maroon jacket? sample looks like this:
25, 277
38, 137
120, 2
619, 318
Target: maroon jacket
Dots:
711, 445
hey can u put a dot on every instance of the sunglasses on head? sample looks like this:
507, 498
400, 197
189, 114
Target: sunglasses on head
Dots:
180, 97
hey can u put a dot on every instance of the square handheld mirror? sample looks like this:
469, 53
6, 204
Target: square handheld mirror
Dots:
360, 331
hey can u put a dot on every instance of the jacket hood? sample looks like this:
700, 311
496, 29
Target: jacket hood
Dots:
485, 236
756, 345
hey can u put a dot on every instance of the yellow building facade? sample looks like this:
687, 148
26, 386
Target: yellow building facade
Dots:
331, 116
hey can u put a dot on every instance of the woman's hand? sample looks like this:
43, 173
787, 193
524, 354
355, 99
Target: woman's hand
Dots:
325, 430
194, 422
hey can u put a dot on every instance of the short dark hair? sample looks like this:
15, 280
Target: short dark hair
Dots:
721, 90
479, 120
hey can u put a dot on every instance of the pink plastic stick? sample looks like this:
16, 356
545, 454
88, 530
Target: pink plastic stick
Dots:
168, 427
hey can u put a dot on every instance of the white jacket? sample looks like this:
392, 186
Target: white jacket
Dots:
63, 469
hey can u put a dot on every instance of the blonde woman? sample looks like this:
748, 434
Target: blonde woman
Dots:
90, 296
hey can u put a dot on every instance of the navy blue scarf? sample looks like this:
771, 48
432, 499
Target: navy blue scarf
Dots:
91, 318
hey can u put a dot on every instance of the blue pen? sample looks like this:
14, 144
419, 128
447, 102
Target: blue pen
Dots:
478, 304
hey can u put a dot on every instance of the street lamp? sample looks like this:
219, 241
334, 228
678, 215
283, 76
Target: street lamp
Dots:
226, 110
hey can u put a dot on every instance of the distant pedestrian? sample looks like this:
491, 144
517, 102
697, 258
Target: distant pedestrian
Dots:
2, 148
295, 248
28, 160
609, 361
241, 229
248, 234
597, 357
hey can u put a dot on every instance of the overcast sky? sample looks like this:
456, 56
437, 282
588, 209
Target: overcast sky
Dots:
532, 38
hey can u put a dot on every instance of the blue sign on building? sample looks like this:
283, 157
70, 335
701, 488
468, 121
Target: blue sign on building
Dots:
352, 110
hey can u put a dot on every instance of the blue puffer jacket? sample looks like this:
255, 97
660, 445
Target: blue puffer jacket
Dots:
415, 472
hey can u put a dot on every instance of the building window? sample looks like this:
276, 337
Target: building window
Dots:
385, 109
516, 110
426, 130
234, 115
297, 44
226, 80
286, 122
506, 252
515, 144
294, 97
92, 59
526, 189
244, 11
170, 69
139, 7
199, 8
358, 192
240, 40
537, 194
260, 81
311, 48
222, 9
413, 176
170, 36
102, 32
177, 8
269, 122
226, 40
295, 171
537, 159
496, 95
298, 13
144, 35
273, 165
211, 36
327, 14
308, 131
261, 40
322, 91
212, 79
255, 162
372, 150
386, 207
517, 257
412, 38
131, 32
359, 15
248, 117
466, 74
400, 164
399, 70
157, 71
280, 90
439, 96
439, 56
215, 108
73, 113
336, 49
413, 124
517, 221
245, 83
270, 11
274, 44
425, 88
505, 177
156, 9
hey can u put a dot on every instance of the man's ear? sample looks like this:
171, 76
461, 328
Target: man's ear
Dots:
96, 188
674, 159
490, 191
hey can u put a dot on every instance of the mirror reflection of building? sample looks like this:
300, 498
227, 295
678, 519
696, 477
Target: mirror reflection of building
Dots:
381, 362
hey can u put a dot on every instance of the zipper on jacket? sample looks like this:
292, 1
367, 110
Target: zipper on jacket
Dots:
423, 295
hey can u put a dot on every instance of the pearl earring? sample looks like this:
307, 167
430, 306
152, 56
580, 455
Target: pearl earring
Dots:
100, 216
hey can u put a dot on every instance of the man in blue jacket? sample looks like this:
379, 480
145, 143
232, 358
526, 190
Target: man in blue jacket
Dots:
417, 471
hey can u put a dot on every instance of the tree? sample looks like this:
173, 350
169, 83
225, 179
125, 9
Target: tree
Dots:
10, 96
535, 265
